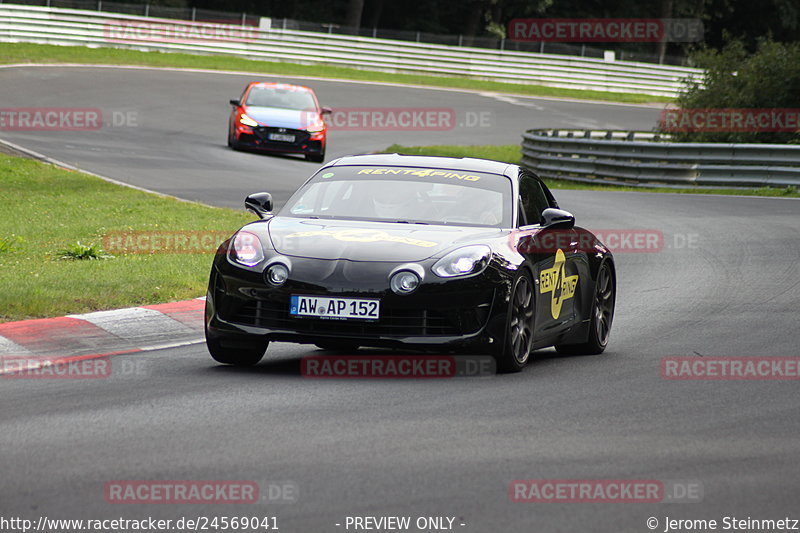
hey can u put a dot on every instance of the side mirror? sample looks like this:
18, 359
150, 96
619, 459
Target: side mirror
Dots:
326, 110
235, 102
557, 218
259, 203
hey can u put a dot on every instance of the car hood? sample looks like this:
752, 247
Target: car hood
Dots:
368, 241
276, 117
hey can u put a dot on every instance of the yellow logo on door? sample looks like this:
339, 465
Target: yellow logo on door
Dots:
555, 281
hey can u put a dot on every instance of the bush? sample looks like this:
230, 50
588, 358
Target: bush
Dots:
768, 79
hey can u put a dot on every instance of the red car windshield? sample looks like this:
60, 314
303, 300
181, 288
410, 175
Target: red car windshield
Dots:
281, 97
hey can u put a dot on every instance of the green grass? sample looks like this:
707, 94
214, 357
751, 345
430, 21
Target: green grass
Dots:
47, 211
40, 53
510, 153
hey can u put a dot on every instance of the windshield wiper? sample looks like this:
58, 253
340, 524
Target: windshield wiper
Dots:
411, 222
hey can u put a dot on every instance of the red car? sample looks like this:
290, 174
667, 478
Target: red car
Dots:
279, 117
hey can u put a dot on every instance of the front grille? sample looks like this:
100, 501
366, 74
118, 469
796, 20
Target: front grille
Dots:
393, 322
262, 133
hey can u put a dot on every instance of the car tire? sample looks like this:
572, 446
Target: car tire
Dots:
337, 346
316, 158
517, 344
602, 316
237, 356
232, 141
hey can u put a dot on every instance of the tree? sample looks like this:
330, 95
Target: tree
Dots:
767, 80
355, 8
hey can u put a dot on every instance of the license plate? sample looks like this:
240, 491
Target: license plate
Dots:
280, 137
341, 308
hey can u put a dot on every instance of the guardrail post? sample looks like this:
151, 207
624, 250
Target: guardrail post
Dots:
244, 19
99, 5
460, 39
194, 14
417, 36
147, 10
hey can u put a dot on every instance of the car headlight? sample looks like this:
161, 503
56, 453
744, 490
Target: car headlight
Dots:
247, 121
315, 126
245, 249
463, 261
404, 282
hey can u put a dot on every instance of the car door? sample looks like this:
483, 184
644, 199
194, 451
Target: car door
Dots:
553, 254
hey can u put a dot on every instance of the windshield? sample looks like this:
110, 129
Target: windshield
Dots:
281, 97
403, 194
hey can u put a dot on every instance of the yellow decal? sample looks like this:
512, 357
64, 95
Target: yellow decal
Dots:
364, 235
553, 280
418, 172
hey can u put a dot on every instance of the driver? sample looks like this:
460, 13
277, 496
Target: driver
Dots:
399, 200
470, 204
393, 201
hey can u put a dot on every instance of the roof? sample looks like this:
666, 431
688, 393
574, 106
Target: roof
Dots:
279, 85
422, 161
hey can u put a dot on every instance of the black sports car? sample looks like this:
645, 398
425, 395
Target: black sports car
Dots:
423, 253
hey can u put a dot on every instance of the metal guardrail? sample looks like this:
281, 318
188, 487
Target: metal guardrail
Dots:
623, 51
21, 23
649, 159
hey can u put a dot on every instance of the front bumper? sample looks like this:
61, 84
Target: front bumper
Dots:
445, 315
257, 138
